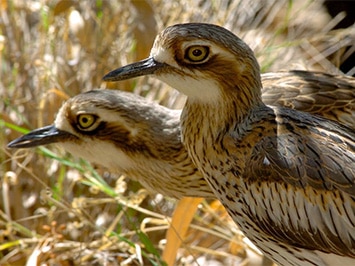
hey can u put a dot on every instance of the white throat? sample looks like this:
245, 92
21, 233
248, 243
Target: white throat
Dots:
202, 90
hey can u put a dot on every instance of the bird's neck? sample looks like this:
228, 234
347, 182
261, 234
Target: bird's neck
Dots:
229, 110
205, 125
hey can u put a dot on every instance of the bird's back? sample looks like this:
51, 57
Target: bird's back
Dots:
330, 96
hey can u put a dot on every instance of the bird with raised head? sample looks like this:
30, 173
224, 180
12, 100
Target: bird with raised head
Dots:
287, 178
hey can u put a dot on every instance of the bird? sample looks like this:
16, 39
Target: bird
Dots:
127, 134
286, 178
151, 151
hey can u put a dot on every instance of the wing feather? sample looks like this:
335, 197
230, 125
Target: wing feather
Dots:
317, 153
303, 179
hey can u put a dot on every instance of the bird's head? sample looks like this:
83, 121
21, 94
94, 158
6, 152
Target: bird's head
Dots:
202, 61
103, 126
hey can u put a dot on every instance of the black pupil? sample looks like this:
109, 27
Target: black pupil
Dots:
84, 120
197, 52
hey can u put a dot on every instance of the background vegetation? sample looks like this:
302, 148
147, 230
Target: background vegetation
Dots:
60, 210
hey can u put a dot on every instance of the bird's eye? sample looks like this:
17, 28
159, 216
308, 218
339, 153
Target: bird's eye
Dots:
85, 121
196, 53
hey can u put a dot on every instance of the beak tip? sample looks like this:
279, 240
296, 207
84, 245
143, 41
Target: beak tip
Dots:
17, 143
109, 77
10, 145
141, 68
114, 75
39, 137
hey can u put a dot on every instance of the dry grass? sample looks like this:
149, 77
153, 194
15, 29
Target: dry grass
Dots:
58, 210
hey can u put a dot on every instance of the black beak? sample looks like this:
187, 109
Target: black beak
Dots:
145, 67
40, 136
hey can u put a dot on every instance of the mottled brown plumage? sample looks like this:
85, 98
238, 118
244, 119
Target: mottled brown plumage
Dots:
286, 177
330, 96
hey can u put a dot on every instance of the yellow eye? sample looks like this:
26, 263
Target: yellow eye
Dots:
85, 120
196, 53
